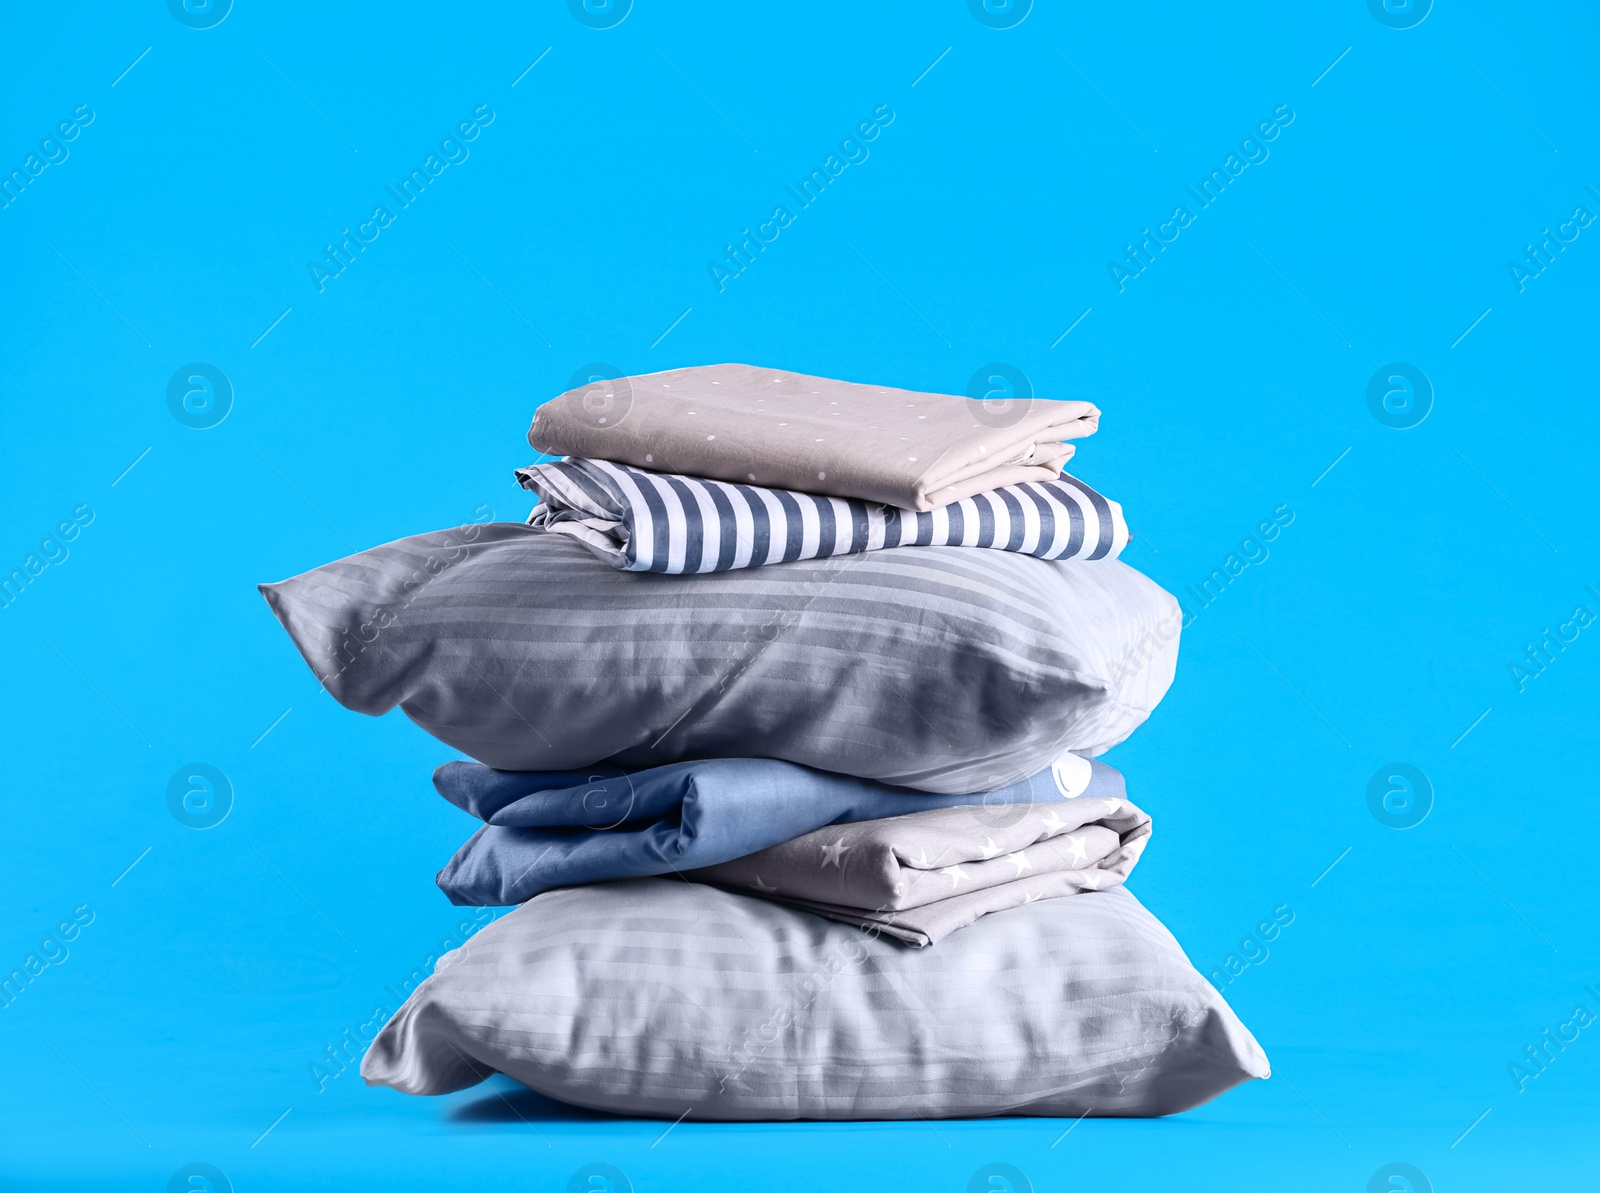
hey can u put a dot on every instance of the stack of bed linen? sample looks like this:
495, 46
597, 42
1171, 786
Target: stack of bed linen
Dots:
783, 707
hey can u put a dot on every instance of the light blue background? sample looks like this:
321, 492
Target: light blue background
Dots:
1232, 374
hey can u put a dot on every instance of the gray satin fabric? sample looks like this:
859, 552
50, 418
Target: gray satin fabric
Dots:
938, 668
665, 998
919, 877
783, 430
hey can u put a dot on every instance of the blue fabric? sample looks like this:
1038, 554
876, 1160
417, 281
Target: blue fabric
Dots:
546, 829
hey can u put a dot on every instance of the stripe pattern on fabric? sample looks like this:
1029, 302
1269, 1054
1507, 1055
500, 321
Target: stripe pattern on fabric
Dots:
642, 521
655, 997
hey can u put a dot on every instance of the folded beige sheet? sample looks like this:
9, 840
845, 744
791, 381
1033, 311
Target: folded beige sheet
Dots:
745, 424
920, 876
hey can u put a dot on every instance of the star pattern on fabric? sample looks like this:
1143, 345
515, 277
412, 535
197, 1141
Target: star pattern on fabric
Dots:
1031, 897
1113, 806
1076, 844
763, 887
957, 875
922, 861
989, 848
1091, 879
832, 853
1020, 861
1053, 822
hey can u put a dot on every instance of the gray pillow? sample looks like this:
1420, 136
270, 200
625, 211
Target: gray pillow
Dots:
660, 997
938, 668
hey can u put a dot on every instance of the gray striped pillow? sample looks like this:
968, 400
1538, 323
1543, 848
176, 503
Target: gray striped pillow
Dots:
937, 668
661, 522
661, 997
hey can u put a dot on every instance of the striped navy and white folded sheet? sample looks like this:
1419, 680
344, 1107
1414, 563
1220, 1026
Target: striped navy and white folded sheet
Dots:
641, 521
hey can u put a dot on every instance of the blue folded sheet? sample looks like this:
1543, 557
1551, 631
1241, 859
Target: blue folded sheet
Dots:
545, 829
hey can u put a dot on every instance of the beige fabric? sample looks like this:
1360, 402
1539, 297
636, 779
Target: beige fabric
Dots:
920, 876
750, 425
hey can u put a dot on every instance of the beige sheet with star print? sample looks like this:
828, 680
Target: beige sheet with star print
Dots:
921, 876
781, 430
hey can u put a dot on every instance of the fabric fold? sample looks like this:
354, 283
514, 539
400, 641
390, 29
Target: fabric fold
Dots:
643, 521
780, 430
920, 876
552, 829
